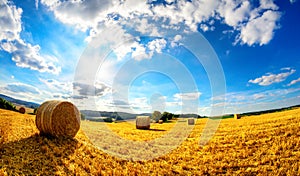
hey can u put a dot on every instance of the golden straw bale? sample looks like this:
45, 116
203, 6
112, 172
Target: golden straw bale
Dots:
22, 110
143, 122
191, 121
58, 118
237, 116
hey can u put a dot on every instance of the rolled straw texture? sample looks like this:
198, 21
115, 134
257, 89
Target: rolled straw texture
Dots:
191, 121
143, 122
237, 116
22, 110
58, 118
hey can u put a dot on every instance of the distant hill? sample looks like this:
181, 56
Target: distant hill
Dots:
20, 102
124, 115
90, 114
258, 112
270, 111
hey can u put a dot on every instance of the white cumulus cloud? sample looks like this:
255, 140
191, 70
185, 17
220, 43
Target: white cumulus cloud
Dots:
253, 23
157, 45
82, 14
187, 96
10, 21
260, 30
268, 4
21, 88
140, 51
23, 54
294, 82
58, 86
271, 78
27, 56
233, 12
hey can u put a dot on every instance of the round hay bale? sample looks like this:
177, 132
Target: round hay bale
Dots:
237, 116
143, 122
58, 118
160, 121
191, 121
22, 110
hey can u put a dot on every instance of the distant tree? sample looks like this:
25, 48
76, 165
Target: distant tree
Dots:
164, 116
82, 116
108, 120
170, 116
176, 116
156, 115
202, 116
115, 116
119, 118
7, 105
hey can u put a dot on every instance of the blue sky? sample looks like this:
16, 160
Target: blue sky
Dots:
205, 57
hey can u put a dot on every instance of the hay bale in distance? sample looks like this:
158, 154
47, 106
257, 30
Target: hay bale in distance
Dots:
22, 110
160, 121
191, 121
237, 116
143, 122
58, 119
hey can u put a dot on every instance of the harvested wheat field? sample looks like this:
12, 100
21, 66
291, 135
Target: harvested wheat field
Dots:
255, 145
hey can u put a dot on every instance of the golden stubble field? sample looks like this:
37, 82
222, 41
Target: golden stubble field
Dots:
266, 144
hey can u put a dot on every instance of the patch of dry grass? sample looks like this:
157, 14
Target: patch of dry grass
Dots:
256, 145
128, 130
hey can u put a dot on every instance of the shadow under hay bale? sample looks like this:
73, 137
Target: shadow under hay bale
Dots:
58, 119
143, 122
22, 110
37, 155
237, 116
